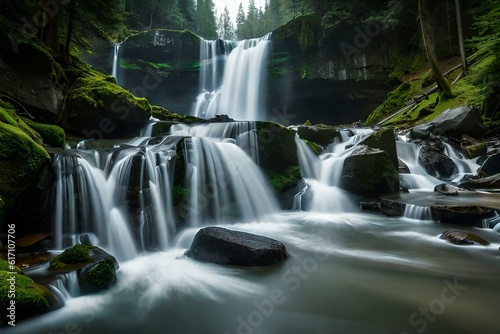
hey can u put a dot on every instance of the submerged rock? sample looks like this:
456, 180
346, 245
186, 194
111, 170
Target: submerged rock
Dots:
223, 246
459, 237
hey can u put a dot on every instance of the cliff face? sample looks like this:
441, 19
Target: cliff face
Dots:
334, 76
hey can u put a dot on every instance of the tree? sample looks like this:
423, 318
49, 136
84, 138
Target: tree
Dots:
428, 38
226, 28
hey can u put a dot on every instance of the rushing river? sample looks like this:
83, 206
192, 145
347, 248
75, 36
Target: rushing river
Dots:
347, 273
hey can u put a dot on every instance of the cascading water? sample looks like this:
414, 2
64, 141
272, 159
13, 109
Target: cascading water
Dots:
323, 174
239, 92
116, 54
225, 184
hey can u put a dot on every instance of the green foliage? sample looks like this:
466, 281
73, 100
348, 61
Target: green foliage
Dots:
288, 178
75, 255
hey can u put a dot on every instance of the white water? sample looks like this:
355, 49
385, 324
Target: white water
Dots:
239, 92
116, 54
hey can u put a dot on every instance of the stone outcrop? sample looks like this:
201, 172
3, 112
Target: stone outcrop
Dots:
453, 123
369, 172
223, 246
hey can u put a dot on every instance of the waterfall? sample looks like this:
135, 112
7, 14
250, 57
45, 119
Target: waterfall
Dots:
238, 93
322, 175
226, 185
122, 195
417, 212
115, 61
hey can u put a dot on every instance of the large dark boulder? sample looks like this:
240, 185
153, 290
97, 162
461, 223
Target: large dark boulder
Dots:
433, 159
277, 147
454, 123
223, 246
95, 107
384, 139
369, 171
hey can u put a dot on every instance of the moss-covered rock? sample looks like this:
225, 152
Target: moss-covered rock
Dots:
21, 162
476, 150
303, 30
52, 135
385, 140
77, 254
99, 277
277, 148
30, 298
369, 172
95, 107
165, 115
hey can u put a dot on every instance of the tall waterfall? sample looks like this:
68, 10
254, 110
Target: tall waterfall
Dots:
116, 64
239, 92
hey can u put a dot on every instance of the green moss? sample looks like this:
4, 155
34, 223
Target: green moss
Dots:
21, 161
30, 297
394, 101
288, 178
4, 265
384, 139
51, 134
474, 151
165, 115
100, 277
75, 255
8, 115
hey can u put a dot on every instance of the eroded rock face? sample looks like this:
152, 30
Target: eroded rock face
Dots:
453, 123
223, 246
369, 172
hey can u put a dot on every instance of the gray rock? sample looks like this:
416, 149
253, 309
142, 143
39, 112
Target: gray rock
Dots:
453, 123
446, 189
223, 246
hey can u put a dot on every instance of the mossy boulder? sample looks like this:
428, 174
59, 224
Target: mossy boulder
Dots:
277, 147
21, 162
96, 269
95, 107
369, 172
319, 134
52, 135
31, 299
385, 140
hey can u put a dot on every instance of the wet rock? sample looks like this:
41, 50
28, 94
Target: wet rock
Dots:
385, 140
476, 150
96, 269
453, 123
488, 182
319, 134
392, 208
370, 206
369, 172
223, 246
435, 162
459, 237
491, 165
220, 119
446, 189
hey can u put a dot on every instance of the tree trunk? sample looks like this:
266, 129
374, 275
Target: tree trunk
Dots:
428, 38
71, 23
461, 36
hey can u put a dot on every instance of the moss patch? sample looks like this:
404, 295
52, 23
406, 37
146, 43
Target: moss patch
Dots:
51, 134
77, 254
288, 178
474, 151
165, 115
31, 298
320, 134
100, 277
277, 148
21, 161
